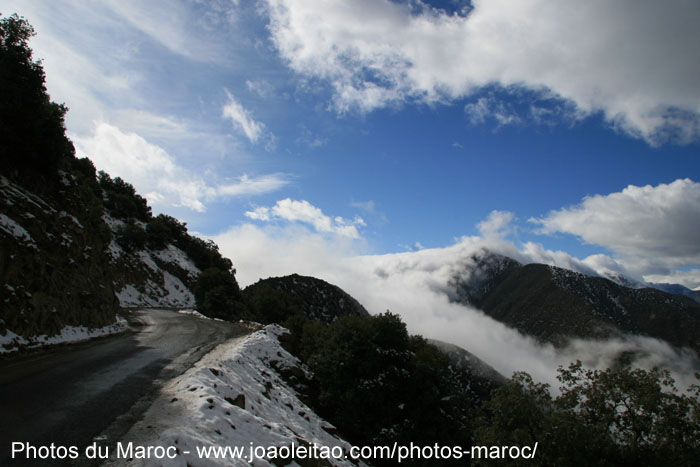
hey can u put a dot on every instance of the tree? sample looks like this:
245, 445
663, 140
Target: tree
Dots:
217, 294
32, 134
602, 417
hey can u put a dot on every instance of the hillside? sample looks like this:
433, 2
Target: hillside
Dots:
278, 298
554, 304
72, 257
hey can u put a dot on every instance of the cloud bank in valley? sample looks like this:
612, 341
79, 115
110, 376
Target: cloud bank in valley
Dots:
415, 285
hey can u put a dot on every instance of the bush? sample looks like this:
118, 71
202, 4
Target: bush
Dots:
379, 385
217, 294
611, 417
131, 237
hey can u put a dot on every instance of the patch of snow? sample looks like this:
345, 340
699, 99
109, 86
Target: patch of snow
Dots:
114, 250
11, 342
113, 223
148, 261
71, 217
10, 190
177, 293
172, 254
234, 396
130, 297
13, 228
67, 239
173, 293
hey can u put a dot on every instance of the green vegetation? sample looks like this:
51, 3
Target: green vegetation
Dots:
612, 417
217, 294
378, 384
33, 144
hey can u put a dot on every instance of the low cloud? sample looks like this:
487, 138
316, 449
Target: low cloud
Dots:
304, 212
376, 53
157, 175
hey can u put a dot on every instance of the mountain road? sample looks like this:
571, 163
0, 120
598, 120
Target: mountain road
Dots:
94, 391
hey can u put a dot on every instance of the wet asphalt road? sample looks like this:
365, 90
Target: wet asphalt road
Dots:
73, 394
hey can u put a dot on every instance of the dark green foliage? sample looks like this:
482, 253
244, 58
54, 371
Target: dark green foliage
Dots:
266, 305
204, 253
379, 385
131, 237
164, 229
32, 134
612, 417
122, 200
217, 294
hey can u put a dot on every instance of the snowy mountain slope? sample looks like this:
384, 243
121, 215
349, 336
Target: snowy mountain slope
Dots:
151, 278
234, 396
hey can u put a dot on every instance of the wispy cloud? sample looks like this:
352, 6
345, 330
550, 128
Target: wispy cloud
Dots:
242, 119
304, 212
158, 176
377, 52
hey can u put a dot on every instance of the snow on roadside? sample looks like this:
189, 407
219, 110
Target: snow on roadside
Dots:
234, 396
11, 342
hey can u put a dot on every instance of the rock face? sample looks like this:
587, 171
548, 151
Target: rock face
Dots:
61, 264
553, 304
314, 297
52, 263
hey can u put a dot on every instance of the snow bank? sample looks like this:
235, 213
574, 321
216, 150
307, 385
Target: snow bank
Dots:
11, 342
234, 396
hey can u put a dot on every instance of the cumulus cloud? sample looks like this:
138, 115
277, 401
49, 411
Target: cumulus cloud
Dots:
306, 213
497, 225
634, 61
652, 229
157, 175
414, 284
242, 119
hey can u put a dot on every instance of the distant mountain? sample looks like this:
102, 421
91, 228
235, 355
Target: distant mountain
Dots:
277, 298
678, 289
554, 304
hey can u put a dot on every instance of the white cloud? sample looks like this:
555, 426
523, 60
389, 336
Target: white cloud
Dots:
651, 228
634, 61
156, 174
497, 225
306, 213
260, 87
242, 120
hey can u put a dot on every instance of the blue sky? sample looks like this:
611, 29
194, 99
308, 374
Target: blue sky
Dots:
377, 127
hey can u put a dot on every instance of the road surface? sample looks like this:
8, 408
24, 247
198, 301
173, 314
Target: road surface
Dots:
74, 394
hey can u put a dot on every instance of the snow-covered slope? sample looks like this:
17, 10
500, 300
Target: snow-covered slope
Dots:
151, 278
233, 397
